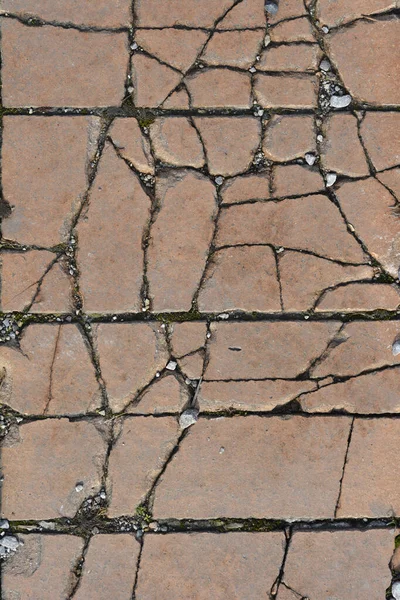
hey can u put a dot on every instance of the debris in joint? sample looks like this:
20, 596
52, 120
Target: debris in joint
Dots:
396, 347
188, 418
9, 544
272, 6
171, 366
340, 101
310, 158
325, 65
396, 590
330, 179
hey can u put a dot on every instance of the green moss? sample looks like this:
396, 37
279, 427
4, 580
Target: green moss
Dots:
143, 513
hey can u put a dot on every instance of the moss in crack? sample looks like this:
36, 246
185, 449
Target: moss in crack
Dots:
143, 514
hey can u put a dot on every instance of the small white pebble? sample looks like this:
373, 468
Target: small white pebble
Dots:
188, 418
396, 347
396, 590
221, 450
325, 29
223, 316
208, 335
134, 46
330, 179
157, 374
252, 69
340, 101
310, 158
219, 180
171, 366
320, 138
267, 40
325, 65
130, 89
79, 487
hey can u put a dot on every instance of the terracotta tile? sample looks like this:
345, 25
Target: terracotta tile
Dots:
317, 564
294, 30
176, 47
250, 466
291, 58
165, 395
304, 277
275, 91
219, 88
47, 192
109, 568
241, 279
339, 12
370, 478
42, 567
288, 10
233, 48
156, 13
179, 99
246, 187
52, 373
187, 337
29, 280
289, 137
110, 238
295, 180
342, 151
152, 81
40, 480
176, 142
225, 155
130, 356
192, 365
380, 132
368, 207
250, 395
322, 229
246, 14
368, 70
262, 348
204, 565
137, 458
38, 61
360, 297
372, 393
180, 239
132, 144
363, 346
391, 179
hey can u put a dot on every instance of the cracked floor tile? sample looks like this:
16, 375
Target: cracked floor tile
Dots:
342, 151
176, 142
360, 297
245, 187
178, 48
293, 180
287, 91
233, 48
132, 144
219, 88
291, 58
166, 395
289, 137
155, 13
340, 12
380, 134
203, 565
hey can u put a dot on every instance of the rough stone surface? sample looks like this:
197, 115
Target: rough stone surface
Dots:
380, 133
342, 151
40, 480
165, 395
109, 568
279, 466
180, 238
368, 207
295, 180
338, 12
246, 14
203, 565
322, 228
241, 279
289, 137
360, 296
245, 187
50, 374
152, 81
294, 30
130, 356
317, 565
233, 48
155, 13
276, 350
219, 88
178, 48
273, 91
368, 70
187, 337
42, 568
137, 458
37, 61
391, 179
297, 58
369, 484
132, 144
176, 142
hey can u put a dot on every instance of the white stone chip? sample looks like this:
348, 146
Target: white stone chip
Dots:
330, 179
310, 159
188, 418
171, 366
340, 101
396, 590
396, 347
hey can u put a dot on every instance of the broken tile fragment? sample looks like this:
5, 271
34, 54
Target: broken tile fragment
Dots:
360, 297
180, 238
40, 480
244, 15
137, 458
46, 193
204, 565
276, 91
192, 365
245, 187
368, 207
361, 346
288, 10
341, 150
109, 568
293, 30
301, 58
51, 373
230, 143
339, 12
178, 48
243, 278
267, 350
391, 179
295, 180
152, 81
369, 486
249, 396
110, 238
286, 468
304, 277
219, 88
34, 280
156, 13
372, 393
95, 14
165, 395
132, 144
288, 137
176, 142
233, 48
380, 133
317, 564
178, 99
310, 223
42, 567
38, 61
367, 70
130, 356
